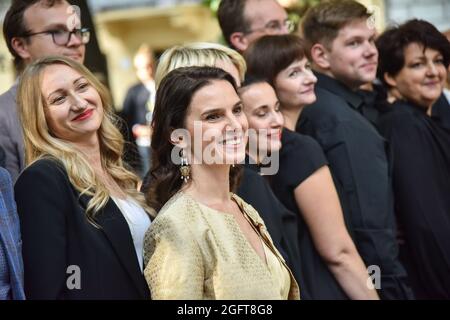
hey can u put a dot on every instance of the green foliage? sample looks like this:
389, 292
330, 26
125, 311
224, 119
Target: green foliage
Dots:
298, 10
213, 5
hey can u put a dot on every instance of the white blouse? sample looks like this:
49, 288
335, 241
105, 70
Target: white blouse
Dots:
138, 222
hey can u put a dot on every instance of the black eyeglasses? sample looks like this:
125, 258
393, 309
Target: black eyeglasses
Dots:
274, 27
62, 37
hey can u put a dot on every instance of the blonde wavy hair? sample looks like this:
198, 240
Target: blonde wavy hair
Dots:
41, 143
197, 54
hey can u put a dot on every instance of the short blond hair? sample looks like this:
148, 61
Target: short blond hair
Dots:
198, 54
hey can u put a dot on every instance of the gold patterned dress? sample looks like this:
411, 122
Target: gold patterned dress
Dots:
192, 251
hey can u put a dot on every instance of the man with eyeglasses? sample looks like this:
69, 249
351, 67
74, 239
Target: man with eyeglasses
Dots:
34, 29
244, 21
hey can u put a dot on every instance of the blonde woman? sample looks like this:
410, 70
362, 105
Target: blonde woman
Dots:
82, 220
281, 223
201, 54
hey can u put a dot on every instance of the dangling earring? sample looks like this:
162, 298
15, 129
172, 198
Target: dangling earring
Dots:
185, 168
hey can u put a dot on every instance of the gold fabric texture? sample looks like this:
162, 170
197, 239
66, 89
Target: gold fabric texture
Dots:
279, 272
194, 252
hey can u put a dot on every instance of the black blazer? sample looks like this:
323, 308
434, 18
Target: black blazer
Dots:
134, 111
56, 235
134, 108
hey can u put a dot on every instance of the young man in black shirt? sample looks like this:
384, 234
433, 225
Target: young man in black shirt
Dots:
340, 37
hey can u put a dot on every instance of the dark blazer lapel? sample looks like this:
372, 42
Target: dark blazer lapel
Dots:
116, 229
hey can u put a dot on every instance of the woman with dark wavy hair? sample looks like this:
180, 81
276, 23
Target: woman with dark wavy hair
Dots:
253, 188
206, 242
414, 58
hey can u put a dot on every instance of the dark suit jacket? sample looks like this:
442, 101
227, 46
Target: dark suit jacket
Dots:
357, 158
134, 111
11, 137
135, 105
57, 235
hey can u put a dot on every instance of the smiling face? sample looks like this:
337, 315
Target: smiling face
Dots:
295, 85
353, 57
422, 78
73, 108
217, 110
262, 109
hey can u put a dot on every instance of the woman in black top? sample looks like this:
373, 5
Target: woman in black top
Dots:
332, 268
413, 65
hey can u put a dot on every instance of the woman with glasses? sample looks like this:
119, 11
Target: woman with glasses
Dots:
82, 218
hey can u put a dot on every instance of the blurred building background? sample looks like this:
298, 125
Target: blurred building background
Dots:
121, 26
435, 11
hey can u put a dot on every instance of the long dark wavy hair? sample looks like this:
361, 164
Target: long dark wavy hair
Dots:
173, 98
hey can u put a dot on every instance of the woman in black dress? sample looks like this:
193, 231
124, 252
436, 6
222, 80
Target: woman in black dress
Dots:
413, 65
331, 265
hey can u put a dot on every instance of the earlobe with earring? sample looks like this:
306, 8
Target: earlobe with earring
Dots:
185, 168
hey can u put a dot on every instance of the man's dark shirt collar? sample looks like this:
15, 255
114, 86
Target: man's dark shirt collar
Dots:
338, 88
358, 100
